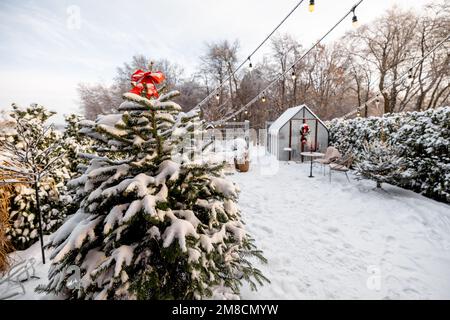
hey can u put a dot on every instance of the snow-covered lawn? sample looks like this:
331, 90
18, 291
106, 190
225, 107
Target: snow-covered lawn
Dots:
40, 275
335, 240
343, 240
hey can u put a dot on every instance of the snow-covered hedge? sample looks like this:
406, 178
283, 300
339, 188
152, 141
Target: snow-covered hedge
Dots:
421, 138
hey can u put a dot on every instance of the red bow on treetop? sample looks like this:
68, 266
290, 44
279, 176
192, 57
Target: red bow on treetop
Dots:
145, 82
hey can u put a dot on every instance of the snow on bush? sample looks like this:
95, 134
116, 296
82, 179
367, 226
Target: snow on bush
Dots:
23, 230
421, 139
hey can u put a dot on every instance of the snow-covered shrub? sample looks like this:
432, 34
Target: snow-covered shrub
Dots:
421, 139
78, 150
76, 143
23, 230
153, 223
380, 162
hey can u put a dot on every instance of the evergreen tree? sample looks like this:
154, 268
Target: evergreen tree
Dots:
76, 143
158, 219
421, 139
78, 148
380, 162
36, 144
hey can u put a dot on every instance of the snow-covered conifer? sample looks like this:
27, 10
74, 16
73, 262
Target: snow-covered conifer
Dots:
157, 220
379, 162
76, 143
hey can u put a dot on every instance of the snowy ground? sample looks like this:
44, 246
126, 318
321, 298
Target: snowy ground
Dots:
343, 240
40, 275
335, 240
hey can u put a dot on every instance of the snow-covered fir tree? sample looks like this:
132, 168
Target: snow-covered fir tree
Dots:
380, 162
75, 143
52, 190
156, 221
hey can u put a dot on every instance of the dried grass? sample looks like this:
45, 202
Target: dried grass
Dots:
6, 191
5, 246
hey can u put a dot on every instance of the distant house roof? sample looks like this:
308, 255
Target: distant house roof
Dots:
288, 115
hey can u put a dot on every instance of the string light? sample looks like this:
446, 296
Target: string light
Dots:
409, 79
358, 113
250, 65
377, 102
293, 76
245, 112
217, 96
354, 19
258, 96
311, 5
243, 63
263, 97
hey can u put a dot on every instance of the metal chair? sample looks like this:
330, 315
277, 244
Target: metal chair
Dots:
342, 165
331, 155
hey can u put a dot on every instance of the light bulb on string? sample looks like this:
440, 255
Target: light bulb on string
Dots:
293, 76
408, 81
263, 99
245, 112
358, 113
410, 75
250, 65
217, 96
311, 6
355, 22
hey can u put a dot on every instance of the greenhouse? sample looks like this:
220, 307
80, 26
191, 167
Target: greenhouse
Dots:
297, 130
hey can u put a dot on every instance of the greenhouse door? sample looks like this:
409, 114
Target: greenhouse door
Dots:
295, 136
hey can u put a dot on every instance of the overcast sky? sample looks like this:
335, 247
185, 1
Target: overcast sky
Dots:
45, 51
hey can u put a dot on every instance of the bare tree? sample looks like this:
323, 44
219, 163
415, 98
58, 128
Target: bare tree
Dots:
284, 52
433, 74
101, 99
386, 44
217, 65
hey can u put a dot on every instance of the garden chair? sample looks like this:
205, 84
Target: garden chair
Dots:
332, 154
342, 165
17, 275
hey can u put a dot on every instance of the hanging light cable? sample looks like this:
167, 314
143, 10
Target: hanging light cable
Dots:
225, 81
295, 62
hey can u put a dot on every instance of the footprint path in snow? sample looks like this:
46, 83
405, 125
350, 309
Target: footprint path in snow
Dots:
321, 238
